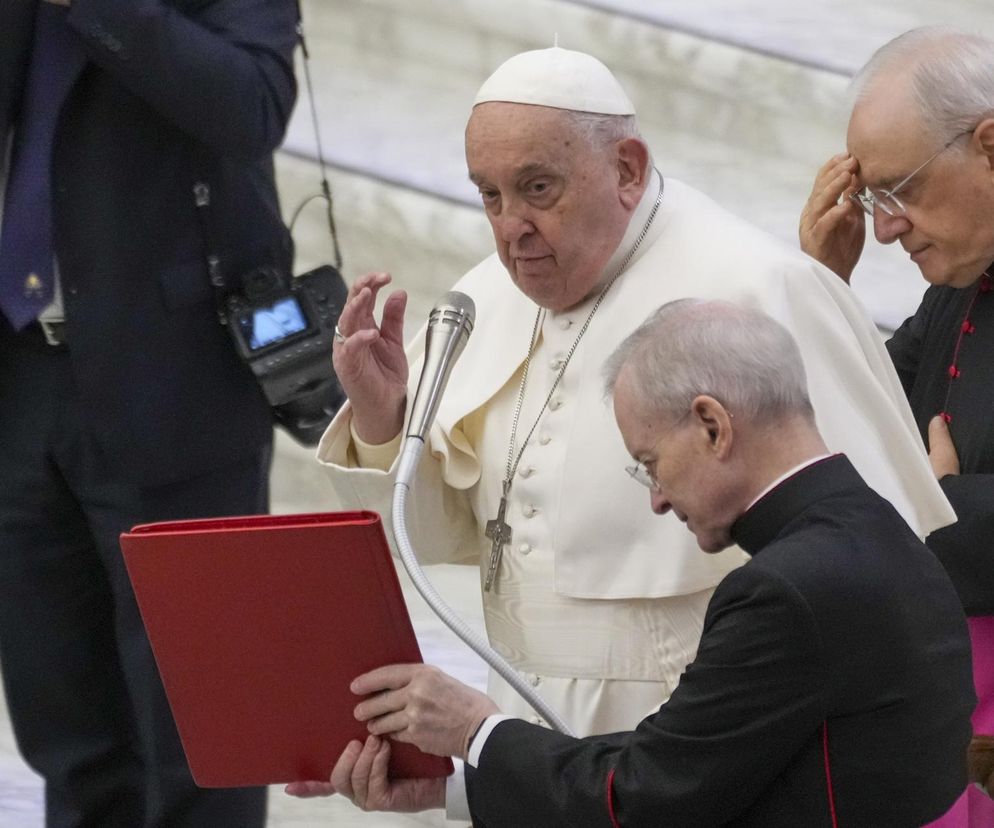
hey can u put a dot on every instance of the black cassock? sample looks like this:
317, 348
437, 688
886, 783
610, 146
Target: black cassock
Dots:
833, 674
944, 355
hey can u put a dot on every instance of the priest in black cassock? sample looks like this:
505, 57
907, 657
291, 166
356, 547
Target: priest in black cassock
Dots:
832, 683
920, 163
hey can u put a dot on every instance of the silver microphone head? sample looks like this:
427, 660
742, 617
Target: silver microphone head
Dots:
449, 325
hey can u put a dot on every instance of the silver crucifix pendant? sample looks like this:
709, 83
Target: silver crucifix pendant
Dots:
499, 534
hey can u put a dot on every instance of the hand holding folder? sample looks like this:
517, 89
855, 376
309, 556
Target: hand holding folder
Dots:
259, 625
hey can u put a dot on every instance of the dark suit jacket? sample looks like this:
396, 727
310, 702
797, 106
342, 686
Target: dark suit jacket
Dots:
174, 91
839, 651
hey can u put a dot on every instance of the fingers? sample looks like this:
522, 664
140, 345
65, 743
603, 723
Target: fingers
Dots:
832, 228
392, 320
379, 784
836, 166
831, 220
381, 704
362, 771
834, 193
341, 774
373, 281
360, 303
941, 450
357, 315
395, 724
309, 789
834, 182
391, 677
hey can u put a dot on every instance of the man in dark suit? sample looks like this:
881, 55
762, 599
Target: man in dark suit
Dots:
123, 399
832, 684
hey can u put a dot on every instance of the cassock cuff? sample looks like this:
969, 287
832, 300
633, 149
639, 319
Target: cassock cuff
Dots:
476, 746
379, 457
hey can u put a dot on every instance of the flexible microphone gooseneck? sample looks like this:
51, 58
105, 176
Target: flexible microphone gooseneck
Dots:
449, 326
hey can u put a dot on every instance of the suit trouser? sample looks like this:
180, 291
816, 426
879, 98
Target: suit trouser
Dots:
87, 706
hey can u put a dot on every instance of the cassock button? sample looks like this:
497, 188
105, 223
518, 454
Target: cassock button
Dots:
534, 680
544, 440
967, 327
529, 511
953, 371
525, 548
526, 471
556, 364
556, 404
565, 324
536, 720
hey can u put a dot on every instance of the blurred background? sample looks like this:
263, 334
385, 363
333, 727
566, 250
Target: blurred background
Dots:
743, 99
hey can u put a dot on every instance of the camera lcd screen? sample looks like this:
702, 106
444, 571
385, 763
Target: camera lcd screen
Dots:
266, 325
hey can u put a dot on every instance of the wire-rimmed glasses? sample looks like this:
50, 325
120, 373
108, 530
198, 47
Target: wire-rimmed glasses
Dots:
887, 200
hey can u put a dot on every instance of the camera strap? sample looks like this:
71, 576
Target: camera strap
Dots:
322, 165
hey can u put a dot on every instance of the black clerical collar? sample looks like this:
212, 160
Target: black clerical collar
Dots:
765, 519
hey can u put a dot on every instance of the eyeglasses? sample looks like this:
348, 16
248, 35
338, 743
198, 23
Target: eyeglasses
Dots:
887, 200
640, 474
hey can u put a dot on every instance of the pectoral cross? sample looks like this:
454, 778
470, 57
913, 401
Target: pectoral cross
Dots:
500, 535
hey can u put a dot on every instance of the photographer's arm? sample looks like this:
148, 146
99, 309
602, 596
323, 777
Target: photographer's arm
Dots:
224, 76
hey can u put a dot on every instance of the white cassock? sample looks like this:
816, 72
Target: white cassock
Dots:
600, 602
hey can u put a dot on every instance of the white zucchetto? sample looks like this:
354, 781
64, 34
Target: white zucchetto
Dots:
559, 78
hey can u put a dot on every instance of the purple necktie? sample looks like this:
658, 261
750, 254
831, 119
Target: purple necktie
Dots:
26, 252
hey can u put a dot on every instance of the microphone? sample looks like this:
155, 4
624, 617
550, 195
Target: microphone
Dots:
449, 325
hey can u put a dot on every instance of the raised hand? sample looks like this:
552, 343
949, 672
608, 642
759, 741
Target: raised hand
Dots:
833, 227
370, 362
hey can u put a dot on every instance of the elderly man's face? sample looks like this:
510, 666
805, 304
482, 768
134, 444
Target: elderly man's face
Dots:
691, 481
553, 201
947, 229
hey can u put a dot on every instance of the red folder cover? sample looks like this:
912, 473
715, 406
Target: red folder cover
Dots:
258, 626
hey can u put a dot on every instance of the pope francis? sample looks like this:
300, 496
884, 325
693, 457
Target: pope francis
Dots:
597, 601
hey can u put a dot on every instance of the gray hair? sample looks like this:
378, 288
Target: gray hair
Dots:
740, 356
951, 76
603, 130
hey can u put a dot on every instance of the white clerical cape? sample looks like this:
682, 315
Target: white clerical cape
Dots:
578, 506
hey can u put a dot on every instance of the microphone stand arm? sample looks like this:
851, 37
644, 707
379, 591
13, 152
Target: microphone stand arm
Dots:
410, 455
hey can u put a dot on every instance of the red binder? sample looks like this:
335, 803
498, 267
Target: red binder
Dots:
258, 625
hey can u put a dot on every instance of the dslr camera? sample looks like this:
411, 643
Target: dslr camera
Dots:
283, 328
